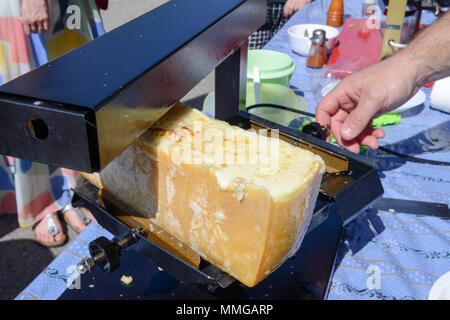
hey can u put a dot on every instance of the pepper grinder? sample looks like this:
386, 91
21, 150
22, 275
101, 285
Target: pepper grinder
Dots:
318, 52
335, 15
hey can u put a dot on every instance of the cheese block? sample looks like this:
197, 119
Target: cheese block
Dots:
240, 199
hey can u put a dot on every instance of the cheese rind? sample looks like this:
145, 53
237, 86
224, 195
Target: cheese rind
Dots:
244, 207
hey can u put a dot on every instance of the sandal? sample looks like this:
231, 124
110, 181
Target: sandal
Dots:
84, 219
52, 230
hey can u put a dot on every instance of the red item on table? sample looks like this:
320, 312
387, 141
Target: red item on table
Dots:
358, 46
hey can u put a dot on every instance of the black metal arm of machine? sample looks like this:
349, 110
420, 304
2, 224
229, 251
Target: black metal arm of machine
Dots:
84, 108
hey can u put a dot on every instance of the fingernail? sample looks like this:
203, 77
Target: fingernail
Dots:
346, 132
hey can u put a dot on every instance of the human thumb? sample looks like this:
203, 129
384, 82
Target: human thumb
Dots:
358, 119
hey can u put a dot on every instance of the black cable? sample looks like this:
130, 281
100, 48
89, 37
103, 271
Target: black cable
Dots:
415, 159
275, 106
398, 154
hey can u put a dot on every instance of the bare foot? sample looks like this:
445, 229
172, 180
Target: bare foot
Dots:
75, 221
42, 235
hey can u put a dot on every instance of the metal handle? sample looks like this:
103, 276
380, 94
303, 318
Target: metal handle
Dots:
394, 44
105, 254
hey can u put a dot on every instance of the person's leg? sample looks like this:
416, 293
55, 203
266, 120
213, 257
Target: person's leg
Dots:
77, 218
40, 192
278, 19
72, 217
274, 21
261, 36
7, 189
33, 190
62, 181
49, 231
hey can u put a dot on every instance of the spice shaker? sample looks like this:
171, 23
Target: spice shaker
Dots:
318, 52
335, 15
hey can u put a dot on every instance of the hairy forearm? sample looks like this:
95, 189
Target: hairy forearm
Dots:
428, 55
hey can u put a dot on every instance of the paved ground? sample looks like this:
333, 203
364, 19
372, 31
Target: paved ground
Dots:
21, 259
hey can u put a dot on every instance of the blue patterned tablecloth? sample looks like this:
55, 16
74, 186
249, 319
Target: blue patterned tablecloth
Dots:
61, 273
389, 255
383, 254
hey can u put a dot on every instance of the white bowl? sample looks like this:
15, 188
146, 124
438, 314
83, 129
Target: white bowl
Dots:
301, 44
441, 288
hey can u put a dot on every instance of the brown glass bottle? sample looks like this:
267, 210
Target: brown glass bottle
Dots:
318, 53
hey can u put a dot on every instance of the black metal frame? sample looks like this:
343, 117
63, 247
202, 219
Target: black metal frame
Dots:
151, 62
306, 275
87, 196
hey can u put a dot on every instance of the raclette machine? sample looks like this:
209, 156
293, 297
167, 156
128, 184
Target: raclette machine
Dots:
83, 109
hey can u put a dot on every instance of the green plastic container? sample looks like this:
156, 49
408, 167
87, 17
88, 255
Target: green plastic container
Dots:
276, 70
275, 67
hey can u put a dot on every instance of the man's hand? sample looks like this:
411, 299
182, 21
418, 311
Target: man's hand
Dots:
35, 16
382, 87
350, 107
292, 6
